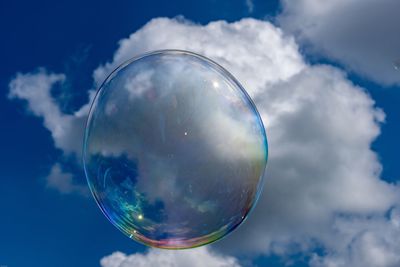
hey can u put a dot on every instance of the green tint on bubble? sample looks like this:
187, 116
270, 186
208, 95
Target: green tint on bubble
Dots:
174, 150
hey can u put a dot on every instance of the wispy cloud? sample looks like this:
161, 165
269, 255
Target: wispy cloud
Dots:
66, 129
63, 182
250, 6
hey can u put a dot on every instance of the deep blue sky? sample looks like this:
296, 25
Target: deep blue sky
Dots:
40, 227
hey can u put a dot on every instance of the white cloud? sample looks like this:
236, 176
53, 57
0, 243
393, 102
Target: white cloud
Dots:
198, 257
66, 129
250, 6
365, 242
63, 182
246, 48
137, 85
362, 35
321, 169
35, 89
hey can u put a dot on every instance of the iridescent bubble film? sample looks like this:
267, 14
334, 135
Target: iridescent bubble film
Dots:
174, 150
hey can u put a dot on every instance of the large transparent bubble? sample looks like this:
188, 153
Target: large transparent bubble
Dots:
174, 150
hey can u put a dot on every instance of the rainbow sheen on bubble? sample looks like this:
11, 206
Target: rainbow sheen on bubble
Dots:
174, 150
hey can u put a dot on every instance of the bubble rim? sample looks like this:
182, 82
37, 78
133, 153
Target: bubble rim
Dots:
219, 235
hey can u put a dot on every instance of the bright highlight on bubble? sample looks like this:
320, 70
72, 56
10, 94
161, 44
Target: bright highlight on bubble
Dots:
174, 150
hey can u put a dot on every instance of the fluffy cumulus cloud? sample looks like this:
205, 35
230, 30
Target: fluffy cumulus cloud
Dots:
155, 257
375, 244
323, 188
247, 48
360, 34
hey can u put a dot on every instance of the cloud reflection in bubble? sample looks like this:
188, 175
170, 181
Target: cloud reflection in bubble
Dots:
174, 150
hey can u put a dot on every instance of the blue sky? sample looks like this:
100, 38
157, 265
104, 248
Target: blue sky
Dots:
43, 226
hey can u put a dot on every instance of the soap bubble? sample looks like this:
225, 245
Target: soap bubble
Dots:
174, 150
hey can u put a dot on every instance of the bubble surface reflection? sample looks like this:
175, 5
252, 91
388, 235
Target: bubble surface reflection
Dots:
174, 150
